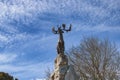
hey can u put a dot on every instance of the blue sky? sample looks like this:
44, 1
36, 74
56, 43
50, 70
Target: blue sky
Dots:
27, 45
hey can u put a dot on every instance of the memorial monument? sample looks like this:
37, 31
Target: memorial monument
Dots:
62, 70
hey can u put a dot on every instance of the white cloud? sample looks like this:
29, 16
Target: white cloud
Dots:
39, 79
3, 38
5, 58
15, 9
27, 11
32, 70
6, 40
98, 28
111, 4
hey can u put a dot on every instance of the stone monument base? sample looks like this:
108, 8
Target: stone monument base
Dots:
63, 71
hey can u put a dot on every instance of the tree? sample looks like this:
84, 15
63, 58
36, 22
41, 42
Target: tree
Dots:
95, 59
48, 73
6, 76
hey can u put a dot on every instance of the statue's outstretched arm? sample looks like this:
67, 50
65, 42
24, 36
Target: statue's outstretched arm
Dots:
54, 31
67, 30
70, 27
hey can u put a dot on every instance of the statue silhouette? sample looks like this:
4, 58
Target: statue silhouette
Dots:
60, 31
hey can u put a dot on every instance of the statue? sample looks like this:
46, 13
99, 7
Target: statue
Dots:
62, 71
60, 31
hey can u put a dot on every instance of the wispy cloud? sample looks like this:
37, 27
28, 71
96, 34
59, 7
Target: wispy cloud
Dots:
3, 38
27, 71
25, 9
25, 30
5, 58
98, 28
39, 79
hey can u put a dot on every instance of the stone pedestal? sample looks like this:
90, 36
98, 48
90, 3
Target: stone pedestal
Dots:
61, 67
71, 74
63, 71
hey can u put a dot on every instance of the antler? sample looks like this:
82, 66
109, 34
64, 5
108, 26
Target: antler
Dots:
54, 31
63, 25
61, 29
69, 28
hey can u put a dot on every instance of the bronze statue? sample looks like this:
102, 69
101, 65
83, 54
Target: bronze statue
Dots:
60, 31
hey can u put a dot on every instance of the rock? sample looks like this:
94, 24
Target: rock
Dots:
63, 71
61, 60
71, 74
61, 67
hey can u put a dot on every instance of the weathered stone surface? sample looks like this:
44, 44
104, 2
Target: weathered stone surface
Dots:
71, 74
61, 67
63, 71
61, 60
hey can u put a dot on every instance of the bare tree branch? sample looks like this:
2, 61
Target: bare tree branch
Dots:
95, 59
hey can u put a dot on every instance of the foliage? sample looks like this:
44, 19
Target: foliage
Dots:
6, 76
48, 73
